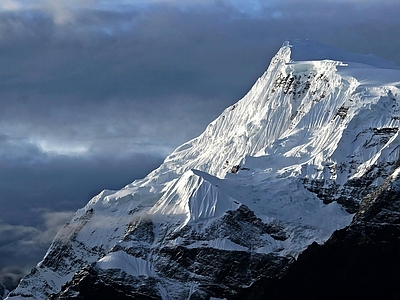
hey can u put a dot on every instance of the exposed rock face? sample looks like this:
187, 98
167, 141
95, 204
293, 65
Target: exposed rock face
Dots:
354, 189
185, 264
360, 261
308, 159
95, 283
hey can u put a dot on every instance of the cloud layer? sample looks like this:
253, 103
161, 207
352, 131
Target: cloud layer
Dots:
94, 94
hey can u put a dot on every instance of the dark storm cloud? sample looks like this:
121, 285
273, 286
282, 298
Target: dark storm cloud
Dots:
40, 192
357, 26
146, 60
22, 244
35, 180
152, 53
95, 98
164, 50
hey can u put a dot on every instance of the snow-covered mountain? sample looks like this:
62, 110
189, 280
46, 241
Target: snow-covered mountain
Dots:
283, 168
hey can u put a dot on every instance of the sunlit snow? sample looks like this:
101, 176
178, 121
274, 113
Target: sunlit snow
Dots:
317, 113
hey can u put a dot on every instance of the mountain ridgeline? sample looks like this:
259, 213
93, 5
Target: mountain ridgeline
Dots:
292, 192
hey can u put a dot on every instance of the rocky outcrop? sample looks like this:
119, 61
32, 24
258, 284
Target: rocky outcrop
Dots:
95, 283
178, 266
360, 261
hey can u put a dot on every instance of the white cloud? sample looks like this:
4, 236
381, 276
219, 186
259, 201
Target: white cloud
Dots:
63, 12
14, 236
54, 221
10, 5
23, 246
69, 148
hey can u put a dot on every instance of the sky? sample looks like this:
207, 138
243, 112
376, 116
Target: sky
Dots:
95, 93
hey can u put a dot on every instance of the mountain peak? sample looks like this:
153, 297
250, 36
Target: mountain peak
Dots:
308, 50
284, 167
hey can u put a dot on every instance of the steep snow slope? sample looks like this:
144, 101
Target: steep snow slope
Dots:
282, 168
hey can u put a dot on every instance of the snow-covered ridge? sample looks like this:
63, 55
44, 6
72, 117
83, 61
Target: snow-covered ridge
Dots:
194, 198
307, 50
315, 122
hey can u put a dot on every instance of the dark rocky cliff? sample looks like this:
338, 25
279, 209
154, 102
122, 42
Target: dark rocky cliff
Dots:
361, 261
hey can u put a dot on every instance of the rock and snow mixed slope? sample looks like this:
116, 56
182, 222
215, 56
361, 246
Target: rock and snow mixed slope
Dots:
282, 168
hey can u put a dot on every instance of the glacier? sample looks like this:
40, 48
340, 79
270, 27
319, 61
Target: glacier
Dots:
283, 168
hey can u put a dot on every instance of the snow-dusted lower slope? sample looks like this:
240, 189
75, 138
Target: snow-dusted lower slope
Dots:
282, 168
